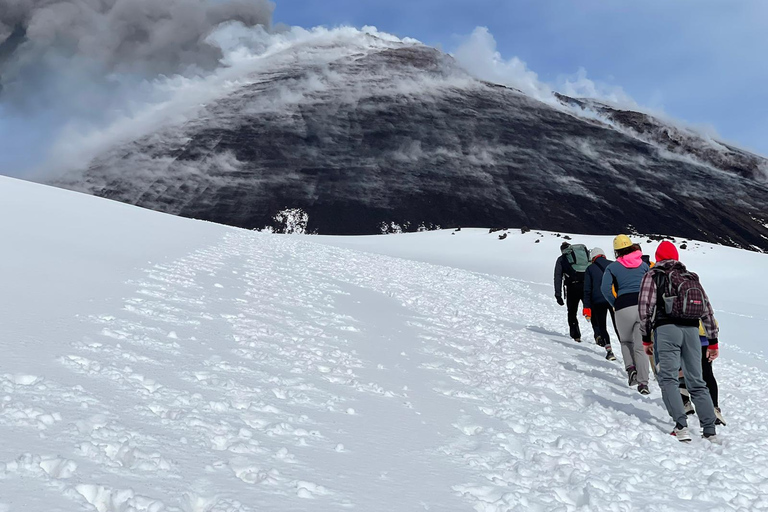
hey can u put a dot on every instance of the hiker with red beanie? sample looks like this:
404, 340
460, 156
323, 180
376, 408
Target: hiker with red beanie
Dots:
672, 303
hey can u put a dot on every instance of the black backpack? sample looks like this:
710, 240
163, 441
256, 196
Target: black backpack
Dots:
680, 294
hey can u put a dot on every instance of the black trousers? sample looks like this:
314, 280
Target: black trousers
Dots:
709, 377
599, 323
574, 294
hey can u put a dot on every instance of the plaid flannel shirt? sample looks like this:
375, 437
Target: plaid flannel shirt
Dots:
648, 299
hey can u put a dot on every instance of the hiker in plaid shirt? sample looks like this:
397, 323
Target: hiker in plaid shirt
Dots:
677, 340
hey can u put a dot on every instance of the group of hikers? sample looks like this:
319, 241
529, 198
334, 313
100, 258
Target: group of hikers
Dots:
662, 318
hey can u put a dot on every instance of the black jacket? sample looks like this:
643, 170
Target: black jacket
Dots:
564, 273
593, 278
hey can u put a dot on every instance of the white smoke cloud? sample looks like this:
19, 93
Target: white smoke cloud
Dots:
479, 56
580, 86
164, 101
75, 63
146, 37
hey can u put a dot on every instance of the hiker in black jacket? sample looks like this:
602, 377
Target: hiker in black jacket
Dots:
596, 307
573, 279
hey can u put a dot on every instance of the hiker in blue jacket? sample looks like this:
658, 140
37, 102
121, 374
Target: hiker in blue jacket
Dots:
624, 276
596, 307
569, 274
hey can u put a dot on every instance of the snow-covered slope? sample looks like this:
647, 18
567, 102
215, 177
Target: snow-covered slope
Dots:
152, 363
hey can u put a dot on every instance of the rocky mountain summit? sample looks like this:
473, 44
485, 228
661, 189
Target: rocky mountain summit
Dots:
366, 136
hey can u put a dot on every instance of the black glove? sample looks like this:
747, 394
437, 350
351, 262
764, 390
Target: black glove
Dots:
560, 300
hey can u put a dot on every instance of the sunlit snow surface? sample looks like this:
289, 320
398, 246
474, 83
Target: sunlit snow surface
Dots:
152, 363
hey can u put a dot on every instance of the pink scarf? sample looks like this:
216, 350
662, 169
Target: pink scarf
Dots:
632, 260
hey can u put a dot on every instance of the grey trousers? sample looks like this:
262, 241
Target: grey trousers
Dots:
680, 346
628, 325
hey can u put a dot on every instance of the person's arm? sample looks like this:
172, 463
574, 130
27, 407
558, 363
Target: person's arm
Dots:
646, 303
710, 325
559, 278
606, 286
587, 299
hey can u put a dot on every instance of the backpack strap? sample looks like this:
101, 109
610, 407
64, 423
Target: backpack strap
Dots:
659, 278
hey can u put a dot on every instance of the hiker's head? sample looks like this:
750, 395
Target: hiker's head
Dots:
564, 246
594, 253
622, 245
627, 250
667, 251
621, 242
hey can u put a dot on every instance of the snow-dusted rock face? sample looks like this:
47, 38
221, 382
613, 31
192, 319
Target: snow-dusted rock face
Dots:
370, 133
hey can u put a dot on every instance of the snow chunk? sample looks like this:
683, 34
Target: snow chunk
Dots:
58, 468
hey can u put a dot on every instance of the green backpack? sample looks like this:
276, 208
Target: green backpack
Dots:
578, 256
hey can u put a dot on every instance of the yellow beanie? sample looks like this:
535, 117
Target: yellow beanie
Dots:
621, 242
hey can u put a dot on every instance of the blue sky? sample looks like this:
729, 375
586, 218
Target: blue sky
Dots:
702, 61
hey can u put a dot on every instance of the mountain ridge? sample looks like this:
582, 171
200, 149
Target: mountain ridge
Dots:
382, 133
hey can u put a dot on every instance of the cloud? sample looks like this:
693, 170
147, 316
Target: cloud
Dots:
143, 108
579, 86
143, 37
65, 62
479, 56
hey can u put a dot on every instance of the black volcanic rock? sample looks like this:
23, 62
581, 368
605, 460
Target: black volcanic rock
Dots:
401, 135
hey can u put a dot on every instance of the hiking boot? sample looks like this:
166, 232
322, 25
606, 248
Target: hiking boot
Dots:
682, 434
632, 376
609, 356
643, 389
719, 420
577, 340
712, 438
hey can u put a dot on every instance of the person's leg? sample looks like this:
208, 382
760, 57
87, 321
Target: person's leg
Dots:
669, 340
573, 298
625, 322
691, 361
642, 363
599, 312
599, 316
613, 320
603, 317
709, 376
684, 394
595, 321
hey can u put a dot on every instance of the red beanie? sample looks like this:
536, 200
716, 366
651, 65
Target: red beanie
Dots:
666, 251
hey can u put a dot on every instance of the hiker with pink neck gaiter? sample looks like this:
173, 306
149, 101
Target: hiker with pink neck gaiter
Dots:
624, 277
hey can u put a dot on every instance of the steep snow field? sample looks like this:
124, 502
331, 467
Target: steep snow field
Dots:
152, 363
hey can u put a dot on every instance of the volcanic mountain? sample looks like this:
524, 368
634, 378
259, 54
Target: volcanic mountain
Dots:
367, 134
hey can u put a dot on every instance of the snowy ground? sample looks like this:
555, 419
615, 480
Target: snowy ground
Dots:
152, 363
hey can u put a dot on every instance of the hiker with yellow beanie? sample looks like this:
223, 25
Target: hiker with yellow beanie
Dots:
624, 275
